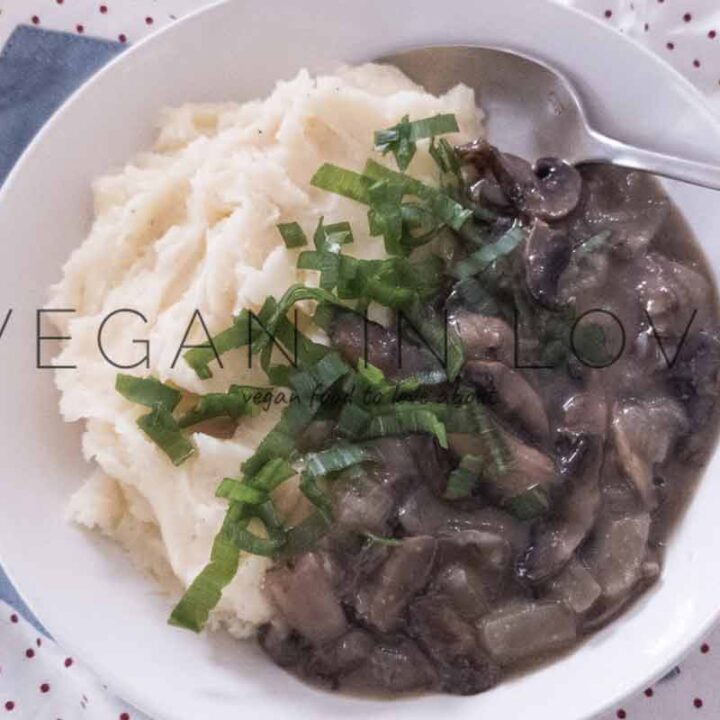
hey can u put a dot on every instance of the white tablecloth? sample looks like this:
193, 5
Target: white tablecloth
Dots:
37, 680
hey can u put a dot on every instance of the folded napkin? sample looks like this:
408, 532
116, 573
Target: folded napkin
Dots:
38, 70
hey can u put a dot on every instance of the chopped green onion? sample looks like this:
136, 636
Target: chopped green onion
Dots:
238, 401
250, 543
336, 458
204, 593
329, 238
385, 214
327, 263
162, 428
279, 443
529, 505
314, 493
439, 203
443, 153
441, 338
292, 234
238, 491
488, 254
147, 391
272, 474
234, 337
401, 139
343, 182
304, 537
465, 479
390, 542
352, 421
403, 420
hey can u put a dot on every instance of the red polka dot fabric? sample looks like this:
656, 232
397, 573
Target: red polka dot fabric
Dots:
39, 681
686, 33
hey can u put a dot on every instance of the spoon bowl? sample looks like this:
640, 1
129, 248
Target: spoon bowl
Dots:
534, 111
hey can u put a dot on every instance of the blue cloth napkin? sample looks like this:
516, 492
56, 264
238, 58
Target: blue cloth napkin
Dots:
39, 69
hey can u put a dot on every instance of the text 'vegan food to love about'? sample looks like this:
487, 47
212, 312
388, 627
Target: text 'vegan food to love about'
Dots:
412, 411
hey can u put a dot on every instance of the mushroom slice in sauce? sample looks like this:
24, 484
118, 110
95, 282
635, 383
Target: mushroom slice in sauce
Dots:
550, 191
557, 540
510, 396
546, 255
484, 337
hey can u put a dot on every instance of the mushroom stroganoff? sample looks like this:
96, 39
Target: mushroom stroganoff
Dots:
491, 424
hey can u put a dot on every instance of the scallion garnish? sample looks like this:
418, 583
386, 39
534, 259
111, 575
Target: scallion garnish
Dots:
235, 403
376, 539
439, 203
147, 391
163, 429
465, 479
205, 591
292, 234
482, 259
529, 505
403, 420
343, 182
401, 139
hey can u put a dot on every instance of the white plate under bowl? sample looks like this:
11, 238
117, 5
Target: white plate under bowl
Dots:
83, 588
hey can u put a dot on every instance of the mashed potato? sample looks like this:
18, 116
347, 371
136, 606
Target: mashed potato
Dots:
190, 226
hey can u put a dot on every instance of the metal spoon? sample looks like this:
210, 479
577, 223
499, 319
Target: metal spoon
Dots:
534, 111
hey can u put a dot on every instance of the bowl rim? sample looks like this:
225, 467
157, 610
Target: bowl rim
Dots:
692, 94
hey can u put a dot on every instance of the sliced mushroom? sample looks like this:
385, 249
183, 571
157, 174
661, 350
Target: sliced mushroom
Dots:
551, 191
644, 432
586, 412
527, 467
630, 205
484, 337
341, 656
510, 396
286, 647
354, 338
546, 256
695, 377
556, 541
670, 293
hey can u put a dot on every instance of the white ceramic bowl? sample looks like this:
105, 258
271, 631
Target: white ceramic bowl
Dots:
83, 588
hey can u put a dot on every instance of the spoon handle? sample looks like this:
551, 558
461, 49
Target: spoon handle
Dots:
605, 149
